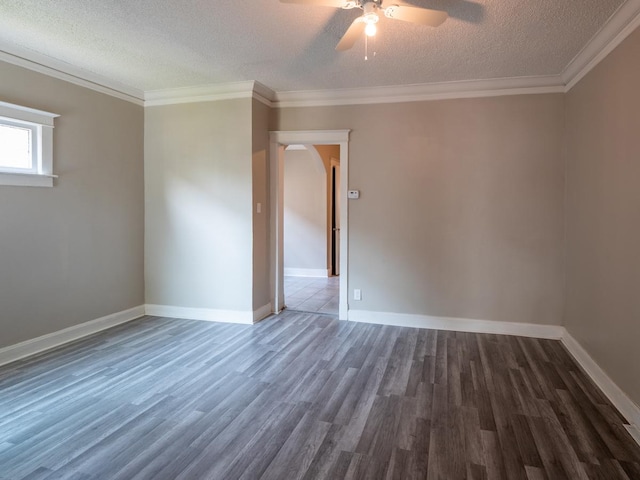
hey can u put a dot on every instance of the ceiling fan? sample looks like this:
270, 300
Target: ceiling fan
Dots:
372, 9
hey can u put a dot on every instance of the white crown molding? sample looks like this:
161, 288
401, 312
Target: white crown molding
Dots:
618, 27
63, 71
554, 332
621, 24
209, 93
355, 96
263, 94
421, 92
46, 342
620, 400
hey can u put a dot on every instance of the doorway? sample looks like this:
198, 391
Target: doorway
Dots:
311, 228
278, 142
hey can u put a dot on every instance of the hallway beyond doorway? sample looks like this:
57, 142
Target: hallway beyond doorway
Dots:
309, 294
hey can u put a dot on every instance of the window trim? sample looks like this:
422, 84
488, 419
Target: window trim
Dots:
41, 123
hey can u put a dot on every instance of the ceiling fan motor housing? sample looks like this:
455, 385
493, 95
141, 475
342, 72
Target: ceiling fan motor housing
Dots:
369, 4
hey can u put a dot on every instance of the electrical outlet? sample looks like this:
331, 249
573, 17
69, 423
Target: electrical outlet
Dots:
357, 294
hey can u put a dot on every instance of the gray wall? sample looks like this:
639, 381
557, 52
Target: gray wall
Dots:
74, 252
603, 214
260, 174
198, 194
461, 209
305, 211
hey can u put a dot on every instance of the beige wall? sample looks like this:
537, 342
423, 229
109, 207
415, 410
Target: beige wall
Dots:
198, 193
74, 252
305, 211
461, 208
260, 174
603, 214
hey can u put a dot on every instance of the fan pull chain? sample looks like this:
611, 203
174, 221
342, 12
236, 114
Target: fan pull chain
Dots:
366, 47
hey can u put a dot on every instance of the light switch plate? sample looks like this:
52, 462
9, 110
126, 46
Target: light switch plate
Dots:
353, 194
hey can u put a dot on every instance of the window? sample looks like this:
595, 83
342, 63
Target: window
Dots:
18, 149
26, 146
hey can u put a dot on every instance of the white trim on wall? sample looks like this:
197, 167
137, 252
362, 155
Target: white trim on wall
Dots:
634, 431
493, 87
306, 272
614, 393
278, 140
262, 312
629, 410
63, 71
206, 314
40, 124
554, 332
46, 342
618, 27
209, 93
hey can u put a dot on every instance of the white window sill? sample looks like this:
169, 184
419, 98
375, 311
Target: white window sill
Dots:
26, 179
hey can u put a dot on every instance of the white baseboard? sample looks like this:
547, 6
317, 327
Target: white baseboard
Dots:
620, 400
36, 345
634, 431
205, 314
306, 272
554, 332
209, 314
262, 312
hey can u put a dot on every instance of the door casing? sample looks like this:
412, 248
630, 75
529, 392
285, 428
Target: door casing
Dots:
278, 141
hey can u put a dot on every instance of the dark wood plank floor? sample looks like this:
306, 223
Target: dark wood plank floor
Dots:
304, 396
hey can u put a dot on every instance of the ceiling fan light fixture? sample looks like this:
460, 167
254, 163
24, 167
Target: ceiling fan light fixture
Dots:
366, 23
370, 30
370, 18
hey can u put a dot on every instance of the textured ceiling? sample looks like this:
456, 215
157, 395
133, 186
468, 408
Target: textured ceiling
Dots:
158, 44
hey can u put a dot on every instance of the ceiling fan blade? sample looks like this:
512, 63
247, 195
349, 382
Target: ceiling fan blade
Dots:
353, 32
323, 3
422, 16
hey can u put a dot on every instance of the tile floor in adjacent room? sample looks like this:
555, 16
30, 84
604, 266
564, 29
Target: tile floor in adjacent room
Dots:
311, 294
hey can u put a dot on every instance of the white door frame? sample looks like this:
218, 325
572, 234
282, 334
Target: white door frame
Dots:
277, 142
